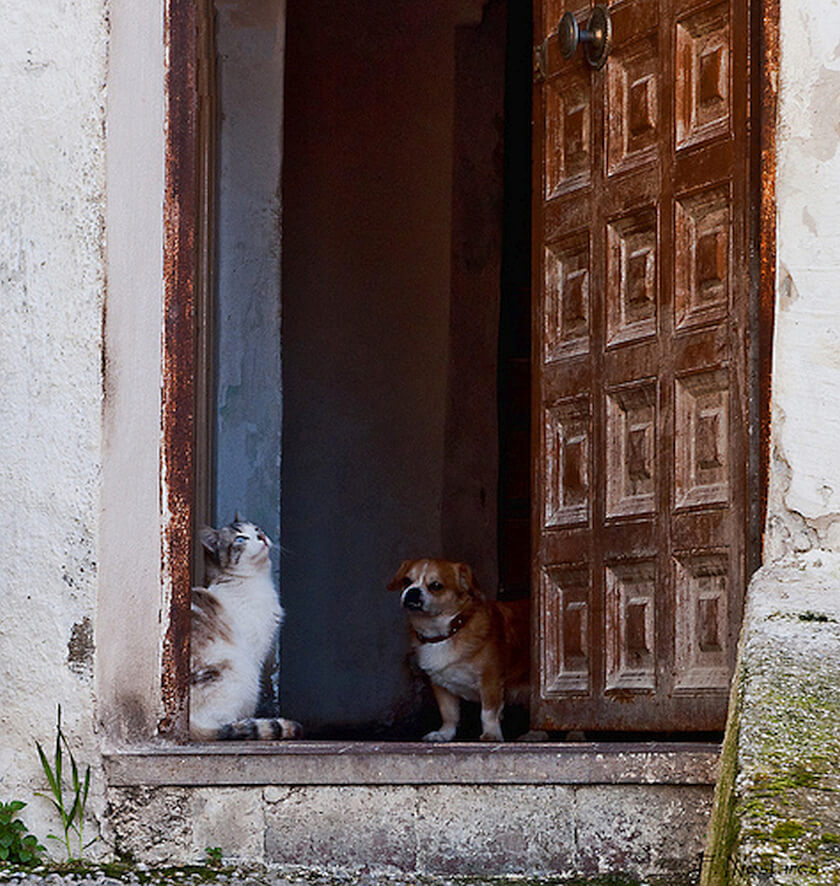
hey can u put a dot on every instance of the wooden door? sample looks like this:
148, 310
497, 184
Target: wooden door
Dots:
641, 336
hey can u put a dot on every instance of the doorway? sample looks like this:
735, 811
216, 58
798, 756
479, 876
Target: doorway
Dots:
368, 409
375, 395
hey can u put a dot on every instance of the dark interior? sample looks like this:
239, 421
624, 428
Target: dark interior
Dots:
398, 193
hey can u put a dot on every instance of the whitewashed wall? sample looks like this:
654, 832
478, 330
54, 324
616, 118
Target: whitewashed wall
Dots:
804, 510
52, 278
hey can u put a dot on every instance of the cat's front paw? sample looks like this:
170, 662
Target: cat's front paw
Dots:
440, 735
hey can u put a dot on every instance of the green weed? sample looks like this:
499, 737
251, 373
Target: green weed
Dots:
72, 811
17, 845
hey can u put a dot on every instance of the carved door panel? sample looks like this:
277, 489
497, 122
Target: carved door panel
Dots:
640, 337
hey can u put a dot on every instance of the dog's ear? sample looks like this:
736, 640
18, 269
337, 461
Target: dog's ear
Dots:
396, 582
467, 581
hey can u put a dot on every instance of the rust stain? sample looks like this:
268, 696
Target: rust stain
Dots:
179, 355
769, 81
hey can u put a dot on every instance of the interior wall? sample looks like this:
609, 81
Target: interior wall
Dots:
471, 461
514, 389
250, 53
367, 208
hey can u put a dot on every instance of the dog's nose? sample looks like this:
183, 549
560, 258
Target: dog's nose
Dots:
411, 598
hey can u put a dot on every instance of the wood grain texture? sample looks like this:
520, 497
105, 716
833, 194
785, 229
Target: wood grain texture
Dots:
640, 367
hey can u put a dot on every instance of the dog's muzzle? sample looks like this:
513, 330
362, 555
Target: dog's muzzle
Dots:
412, 598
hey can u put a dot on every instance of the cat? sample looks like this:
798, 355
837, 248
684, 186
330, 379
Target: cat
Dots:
234, 621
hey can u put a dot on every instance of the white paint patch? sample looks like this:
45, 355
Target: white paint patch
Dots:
805, 481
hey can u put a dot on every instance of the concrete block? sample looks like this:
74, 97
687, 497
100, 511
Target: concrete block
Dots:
641, 829
152, 825
495, 829
349, 827
230, 818
777, 805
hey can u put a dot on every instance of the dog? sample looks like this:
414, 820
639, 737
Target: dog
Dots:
468, 646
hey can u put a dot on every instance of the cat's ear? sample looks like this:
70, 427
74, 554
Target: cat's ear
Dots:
236, 517
209, 539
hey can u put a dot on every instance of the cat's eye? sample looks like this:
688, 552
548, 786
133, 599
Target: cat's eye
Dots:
435, 586
241, 539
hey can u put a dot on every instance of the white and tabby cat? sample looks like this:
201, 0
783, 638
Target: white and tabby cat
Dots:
234, 621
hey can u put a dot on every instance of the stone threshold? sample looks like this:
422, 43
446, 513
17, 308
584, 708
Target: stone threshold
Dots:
413, 763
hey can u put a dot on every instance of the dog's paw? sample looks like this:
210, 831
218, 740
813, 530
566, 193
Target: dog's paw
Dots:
440, 735
491, 736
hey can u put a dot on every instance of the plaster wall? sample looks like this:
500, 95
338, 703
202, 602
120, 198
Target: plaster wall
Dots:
804, 504
130, 605
52, 279
250, 42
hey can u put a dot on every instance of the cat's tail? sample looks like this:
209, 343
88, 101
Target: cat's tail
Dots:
260, 729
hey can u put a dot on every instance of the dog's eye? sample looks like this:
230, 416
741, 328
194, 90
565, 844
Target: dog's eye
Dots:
406, 581
435, 586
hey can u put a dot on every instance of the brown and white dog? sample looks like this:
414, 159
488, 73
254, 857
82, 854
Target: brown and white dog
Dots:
469, 647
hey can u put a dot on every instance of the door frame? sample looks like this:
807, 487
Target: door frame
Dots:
180, 356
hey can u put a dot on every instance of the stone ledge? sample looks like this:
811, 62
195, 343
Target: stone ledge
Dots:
777, 806
368, 763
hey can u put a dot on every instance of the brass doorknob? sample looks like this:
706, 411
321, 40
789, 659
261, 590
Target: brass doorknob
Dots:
596, 36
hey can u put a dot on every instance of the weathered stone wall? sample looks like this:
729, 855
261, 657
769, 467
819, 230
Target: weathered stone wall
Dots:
479, 830
52, 203
777, 805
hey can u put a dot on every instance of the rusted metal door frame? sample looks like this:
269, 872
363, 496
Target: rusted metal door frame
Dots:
187, 370
178, 390
764, 36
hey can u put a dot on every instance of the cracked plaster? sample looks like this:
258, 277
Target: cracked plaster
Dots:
804, 495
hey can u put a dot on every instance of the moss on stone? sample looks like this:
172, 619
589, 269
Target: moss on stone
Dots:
785, 831
724, 826
833, 839
777, 803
